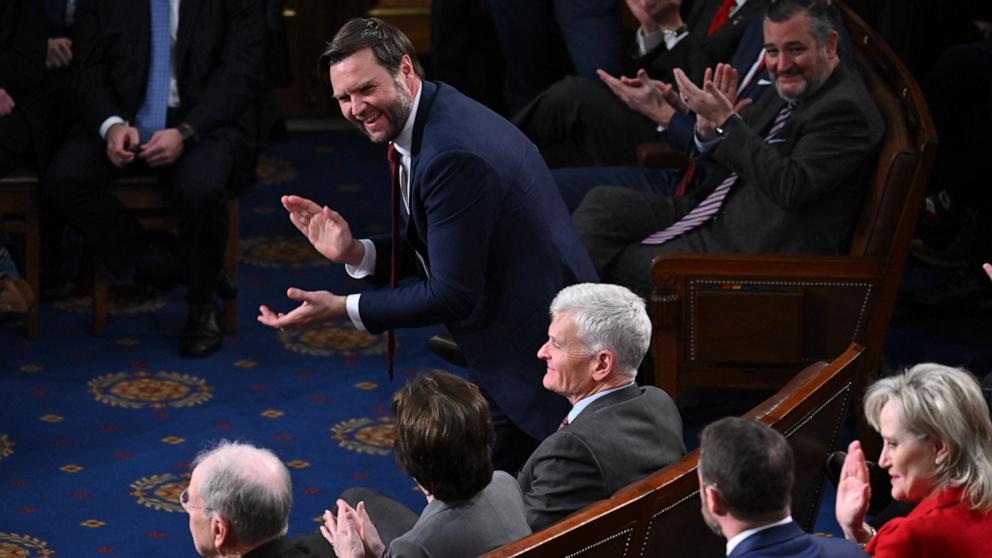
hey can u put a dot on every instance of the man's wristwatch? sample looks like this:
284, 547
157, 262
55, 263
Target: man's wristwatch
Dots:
187, 134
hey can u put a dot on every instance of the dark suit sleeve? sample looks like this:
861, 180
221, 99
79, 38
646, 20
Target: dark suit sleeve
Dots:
562, 476
462, 196
830, 142
97, 97
22, 56
233, 85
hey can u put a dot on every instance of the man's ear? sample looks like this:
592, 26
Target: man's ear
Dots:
604, 364
220, 531
831, 45
714, 501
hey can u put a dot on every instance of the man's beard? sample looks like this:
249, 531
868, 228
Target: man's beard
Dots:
397, 114
808, 87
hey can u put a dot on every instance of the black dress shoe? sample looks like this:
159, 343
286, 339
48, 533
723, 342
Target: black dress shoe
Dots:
445, 347
202, 336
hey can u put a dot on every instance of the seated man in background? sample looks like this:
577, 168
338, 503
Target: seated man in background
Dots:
786, 175
616, 432
746, 471
579, 122
238, 502
173, 92
443, 437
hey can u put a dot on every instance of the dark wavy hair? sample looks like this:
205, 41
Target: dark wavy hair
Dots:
443, 435
388, 43
820, 13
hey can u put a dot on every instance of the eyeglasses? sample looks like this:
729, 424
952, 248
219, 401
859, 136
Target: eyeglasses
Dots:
184, 500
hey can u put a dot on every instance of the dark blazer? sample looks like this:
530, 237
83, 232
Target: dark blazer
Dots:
492, 518
487, 219
800, 193
217, 57
618, 439
22, 68
790, 541
299, 547
696, 52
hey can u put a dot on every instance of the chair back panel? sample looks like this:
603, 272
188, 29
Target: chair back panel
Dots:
671, 513
773, 321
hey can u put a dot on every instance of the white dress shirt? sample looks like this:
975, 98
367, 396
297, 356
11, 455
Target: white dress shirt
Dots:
404, 146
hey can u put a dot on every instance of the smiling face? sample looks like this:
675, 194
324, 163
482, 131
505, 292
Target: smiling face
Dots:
797, 65
570, 364
911, 460
374, 101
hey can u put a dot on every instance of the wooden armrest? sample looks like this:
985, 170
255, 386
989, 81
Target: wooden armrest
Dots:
660, 155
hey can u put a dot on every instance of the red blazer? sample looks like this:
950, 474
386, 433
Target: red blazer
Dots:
942, 525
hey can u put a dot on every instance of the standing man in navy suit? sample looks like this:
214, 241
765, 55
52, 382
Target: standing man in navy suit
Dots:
746, 471
485, 231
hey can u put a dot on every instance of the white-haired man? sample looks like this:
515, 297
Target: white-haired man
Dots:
616, 431
238, 501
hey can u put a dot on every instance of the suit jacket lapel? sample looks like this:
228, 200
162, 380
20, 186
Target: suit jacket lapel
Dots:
423, 111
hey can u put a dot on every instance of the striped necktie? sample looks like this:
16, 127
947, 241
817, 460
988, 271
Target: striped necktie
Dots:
709, 206
151, 115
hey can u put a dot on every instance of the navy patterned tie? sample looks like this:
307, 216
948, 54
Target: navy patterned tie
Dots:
151, 115
709, 206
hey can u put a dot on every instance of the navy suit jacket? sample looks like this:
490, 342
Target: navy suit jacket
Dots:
497, 243
790, 541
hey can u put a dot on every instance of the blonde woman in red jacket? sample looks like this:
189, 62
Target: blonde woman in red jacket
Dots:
937, 445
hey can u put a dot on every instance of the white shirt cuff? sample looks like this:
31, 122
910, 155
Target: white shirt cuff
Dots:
108, 123
351, 305
367, 265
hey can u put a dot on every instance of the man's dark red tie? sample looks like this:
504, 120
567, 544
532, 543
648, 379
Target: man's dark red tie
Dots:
721, 16
394, 172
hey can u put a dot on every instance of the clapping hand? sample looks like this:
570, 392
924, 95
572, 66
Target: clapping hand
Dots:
642, 94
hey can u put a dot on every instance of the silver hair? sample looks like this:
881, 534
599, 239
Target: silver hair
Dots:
608, 317
945, 403
247, 486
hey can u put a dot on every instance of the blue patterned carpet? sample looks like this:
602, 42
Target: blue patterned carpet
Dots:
96, 433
